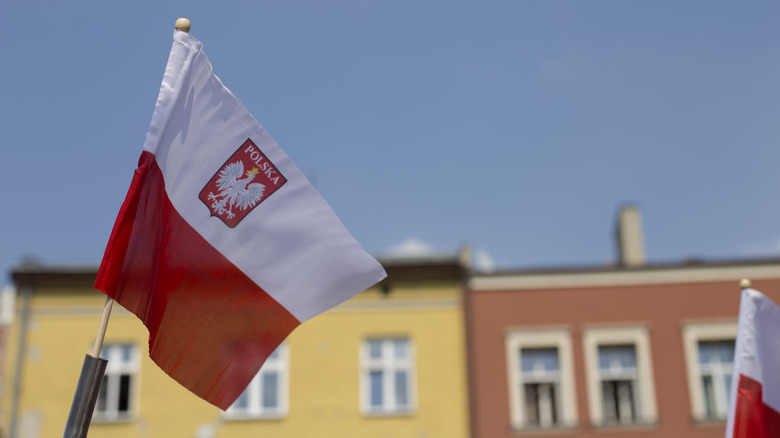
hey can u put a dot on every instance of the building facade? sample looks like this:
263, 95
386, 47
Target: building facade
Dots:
631, 350
388, 363
434, 350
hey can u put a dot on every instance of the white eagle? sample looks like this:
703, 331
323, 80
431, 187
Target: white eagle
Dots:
235, 191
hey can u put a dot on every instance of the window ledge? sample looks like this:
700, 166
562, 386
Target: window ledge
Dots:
554, 430
383, 414
122, 419
637, 425
709, 422
254, 417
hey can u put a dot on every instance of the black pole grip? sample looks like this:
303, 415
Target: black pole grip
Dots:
85, 398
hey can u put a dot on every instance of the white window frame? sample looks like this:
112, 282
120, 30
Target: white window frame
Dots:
592, 339
692, 334
116, 367
279, 364
388, 364
518, 339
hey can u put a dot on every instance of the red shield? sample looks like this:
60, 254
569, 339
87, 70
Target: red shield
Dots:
245, 180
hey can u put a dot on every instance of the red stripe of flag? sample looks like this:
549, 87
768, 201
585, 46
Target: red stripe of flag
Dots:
753, 418
201, 311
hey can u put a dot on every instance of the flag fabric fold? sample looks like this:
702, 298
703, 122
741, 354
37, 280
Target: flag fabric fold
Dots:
754, 404
222, 247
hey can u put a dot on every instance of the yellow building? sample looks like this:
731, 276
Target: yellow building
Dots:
388, 363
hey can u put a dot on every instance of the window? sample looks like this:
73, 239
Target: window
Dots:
709, 354
540, 372
619, 376
619, 381
266, 395
716, 359
387, 379
541, 381
118, 390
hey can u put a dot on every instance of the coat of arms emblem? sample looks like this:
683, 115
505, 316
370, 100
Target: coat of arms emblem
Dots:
246, 179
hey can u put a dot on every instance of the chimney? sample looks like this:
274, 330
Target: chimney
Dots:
630, 241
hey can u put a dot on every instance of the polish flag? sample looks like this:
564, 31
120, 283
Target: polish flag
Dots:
754, 405
222, 247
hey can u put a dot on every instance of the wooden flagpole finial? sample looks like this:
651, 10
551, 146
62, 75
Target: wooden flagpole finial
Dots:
744, 283
183, 25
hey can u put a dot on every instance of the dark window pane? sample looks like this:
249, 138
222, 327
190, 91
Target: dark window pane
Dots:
270, 390
375, 349
401, 388
532, 404
617, 357
716, 352
539, 359
124, 393
709, 396
553, 403
618, 401
376, 388
243, 400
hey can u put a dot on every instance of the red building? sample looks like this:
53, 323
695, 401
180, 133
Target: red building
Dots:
633, 350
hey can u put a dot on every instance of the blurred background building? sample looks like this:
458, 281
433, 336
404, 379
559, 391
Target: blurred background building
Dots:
435, 350
388, 363
634, 350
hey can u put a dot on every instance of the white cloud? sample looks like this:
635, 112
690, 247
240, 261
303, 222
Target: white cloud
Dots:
411, 247
482, 261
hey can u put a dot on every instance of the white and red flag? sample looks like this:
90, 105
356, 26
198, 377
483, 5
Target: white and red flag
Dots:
754, 405
222, 247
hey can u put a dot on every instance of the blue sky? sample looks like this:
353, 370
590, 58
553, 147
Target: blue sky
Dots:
516, 127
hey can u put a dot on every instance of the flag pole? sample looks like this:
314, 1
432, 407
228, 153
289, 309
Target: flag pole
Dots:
94, 368
88, 388
101, 334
